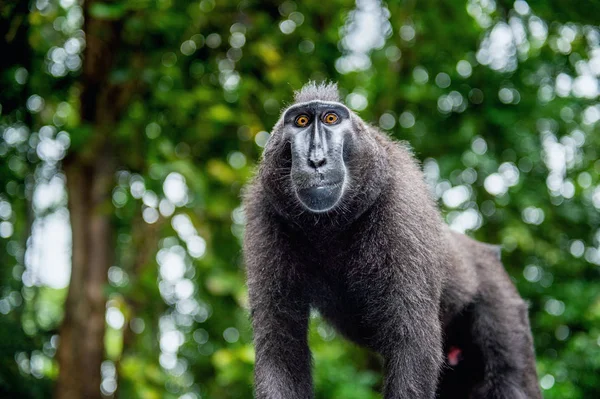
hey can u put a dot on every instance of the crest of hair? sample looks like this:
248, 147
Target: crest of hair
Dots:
317, 91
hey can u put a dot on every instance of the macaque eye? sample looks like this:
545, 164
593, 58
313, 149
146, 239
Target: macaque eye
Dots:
302, 120
330, 118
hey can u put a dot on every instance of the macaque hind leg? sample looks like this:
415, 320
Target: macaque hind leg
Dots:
500, 330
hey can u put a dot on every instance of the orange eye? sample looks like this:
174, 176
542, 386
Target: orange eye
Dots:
330, 118
302, 120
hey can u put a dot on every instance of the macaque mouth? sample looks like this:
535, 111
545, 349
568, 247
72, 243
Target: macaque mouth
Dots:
322, 184
320, 197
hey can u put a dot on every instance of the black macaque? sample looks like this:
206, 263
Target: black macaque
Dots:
339, 219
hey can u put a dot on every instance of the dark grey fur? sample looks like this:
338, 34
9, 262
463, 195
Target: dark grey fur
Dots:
384, 269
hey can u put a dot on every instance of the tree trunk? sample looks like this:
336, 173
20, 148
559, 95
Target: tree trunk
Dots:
81, 348
90, 171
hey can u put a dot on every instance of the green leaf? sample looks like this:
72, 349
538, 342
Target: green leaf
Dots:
107, 11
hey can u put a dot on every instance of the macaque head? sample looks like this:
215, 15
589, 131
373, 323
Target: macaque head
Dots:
320, 134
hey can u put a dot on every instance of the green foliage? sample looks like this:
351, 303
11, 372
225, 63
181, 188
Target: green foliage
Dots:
510, 153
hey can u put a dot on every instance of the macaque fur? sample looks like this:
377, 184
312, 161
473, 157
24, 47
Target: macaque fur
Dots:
339, 219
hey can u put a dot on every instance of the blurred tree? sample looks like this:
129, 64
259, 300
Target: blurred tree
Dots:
89, 169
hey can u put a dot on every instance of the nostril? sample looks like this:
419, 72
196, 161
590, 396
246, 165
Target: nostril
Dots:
317, 163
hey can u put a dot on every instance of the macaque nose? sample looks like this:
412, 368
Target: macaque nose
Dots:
317, 153
316, 162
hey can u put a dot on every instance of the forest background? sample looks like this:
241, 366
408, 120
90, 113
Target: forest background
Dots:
129, 127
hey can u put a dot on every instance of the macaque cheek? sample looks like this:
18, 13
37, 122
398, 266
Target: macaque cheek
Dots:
454, 356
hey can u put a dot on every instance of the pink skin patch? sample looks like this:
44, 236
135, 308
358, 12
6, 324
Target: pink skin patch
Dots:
454, 356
